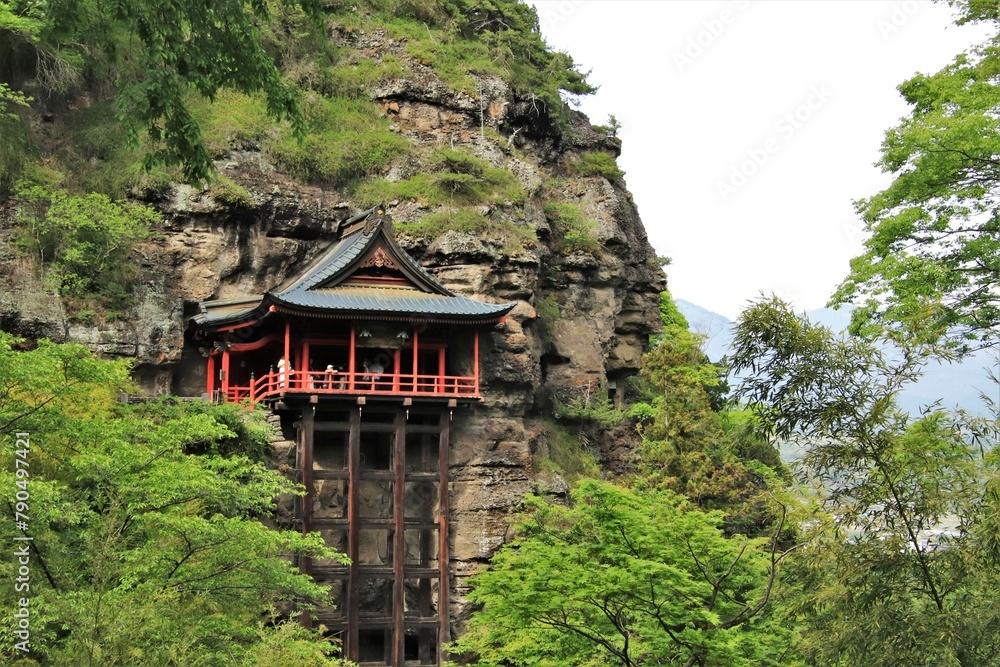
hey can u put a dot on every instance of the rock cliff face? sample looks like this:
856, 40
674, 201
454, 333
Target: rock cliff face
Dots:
580, 326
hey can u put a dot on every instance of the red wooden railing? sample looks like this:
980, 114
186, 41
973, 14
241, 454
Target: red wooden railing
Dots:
337, 383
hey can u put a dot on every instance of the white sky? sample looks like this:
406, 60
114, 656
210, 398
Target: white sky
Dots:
700, 87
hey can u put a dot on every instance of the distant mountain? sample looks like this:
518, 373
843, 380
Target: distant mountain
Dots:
716, 328
955, 385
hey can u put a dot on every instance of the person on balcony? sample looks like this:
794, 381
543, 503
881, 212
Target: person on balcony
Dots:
282, 372
373, 371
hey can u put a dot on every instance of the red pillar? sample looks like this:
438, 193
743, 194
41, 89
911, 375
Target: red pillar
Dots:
440, 380
350, 361
397, 354
416, 359
475, 362
225, 374
306, 378
288, 355
211, 375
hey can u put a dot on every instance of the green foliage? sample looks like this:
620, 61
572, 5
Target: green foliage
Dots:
9, 98
573, 232
691, 443
880, 583
611, 129
459, 38
348, 140
232, 120
671, 316
19, 149
598, 163
291, 645
142, 553
592, 407
624, 578
457, 178
158, 56
85, 240
514, 239
567, 454
226, 190
248, 431
547, 310
933, 253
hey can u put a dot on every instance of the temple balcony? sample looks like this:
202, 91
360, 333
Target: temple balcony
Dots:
341, 383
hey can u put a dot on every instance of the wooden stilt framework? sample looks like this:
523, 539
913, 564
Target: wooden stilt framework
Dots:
391, 612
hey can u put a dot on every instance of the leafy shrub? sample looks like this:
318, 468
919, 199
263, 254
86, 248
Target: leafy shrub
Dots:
514, 238
458, 179
598, 163
573, 232
246, 431
232, 120
348, 140
592, 407
18, 147
548, 313
227, 191
568, 454
86, 240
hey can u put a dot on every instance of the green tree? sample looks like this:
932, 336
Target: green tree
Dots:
691, 442
156, 56
625, 578
882, 582
142, 553
934, 249
86, 240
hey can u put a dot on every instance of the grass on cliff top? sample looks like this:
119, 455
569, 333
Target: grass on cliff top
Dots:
456, 38
512, 238
598, 163
568, 454
348, 140
572, 231
457, 179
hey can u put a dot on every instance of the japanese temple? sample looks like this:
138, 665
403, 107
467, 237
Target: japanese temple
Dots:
368, 355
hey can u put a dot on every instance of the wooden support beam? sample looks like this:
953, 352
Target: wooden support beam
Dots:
353, 535
426, 540
475, 361
444, 581
308, 420
399, 539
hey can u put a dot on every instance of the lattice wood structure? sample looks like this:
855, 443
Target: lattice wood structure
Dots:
370, 356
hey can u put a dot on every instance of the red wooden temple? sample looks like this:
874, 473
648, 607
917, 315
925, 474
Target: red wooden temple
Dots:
366, 355
364, 319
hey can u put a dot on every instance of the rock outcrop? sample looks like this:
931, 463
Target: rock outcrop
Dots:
582, 321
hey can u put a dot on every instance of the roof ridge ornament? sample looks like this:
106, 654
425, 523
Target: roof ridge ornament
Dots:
375, 218
380, 259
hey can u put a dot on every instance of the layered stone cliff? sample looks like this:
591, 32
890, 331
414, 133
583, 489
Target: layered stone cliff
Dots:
581, 324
